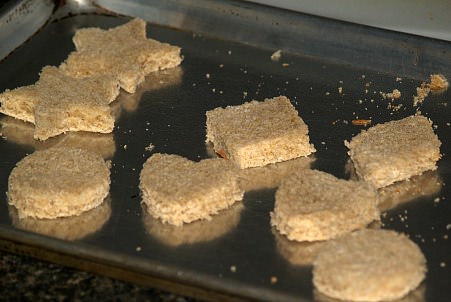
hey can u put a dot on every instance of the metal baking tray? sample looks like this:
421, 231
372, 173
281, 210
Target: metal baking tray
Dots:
333, 71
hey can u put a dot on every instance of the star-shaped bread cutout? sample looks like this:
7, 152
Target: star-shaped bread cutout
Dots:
57, 103
124, 52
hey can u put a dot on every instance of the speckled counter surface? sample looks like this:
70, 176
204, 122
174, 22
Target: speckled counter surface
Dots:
27, 279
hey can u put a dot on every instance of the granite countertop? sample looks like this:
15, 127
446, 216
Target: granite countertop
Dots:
27, 279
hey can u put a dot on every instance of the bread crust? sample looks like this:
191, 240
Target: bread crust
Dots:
58, 182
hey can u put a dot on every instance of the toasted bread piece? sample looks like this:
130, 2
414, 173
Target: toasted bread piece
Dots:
123, 52
369, 265
58, 103
394, 151
177, 190
20, 102
312, 205
69, 104
258, 133
58, 182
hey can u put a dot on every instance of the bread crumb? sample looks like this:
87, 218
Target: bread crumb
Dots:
437, 84
340, 90
395, 94
138, 248
361, 122
273, 280
422, 93
150, 147
442, 264
275, 57
233, 268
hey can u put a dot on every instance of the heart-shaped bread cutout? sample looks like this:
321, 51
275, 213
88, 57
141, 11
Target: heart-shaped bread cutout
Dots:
178, 190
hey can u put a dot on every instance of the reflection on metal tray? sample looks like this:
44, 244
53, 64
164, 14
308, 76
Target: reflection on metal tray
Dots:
328, 81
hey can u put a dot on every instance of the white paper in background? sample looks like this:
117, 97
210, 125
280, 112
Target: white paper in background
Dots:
428, 18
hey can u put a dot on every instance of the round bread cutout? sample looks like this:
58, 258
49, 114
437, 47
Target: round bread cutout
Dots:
58, 182
369, 265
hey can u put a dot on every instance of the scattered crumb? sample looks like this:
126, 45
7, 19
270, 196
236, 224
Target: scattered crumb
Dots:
125, 147
275, 57
438, 83
442, 264
273, 280
393, 107
361, 122
398, 79
285, 65
233, 269
422, 93
138, 248
150, 147
340, 90
395, 94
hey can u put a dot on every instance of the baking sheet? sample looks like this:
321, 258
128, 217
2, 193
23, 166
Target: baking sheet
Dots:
237, 255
